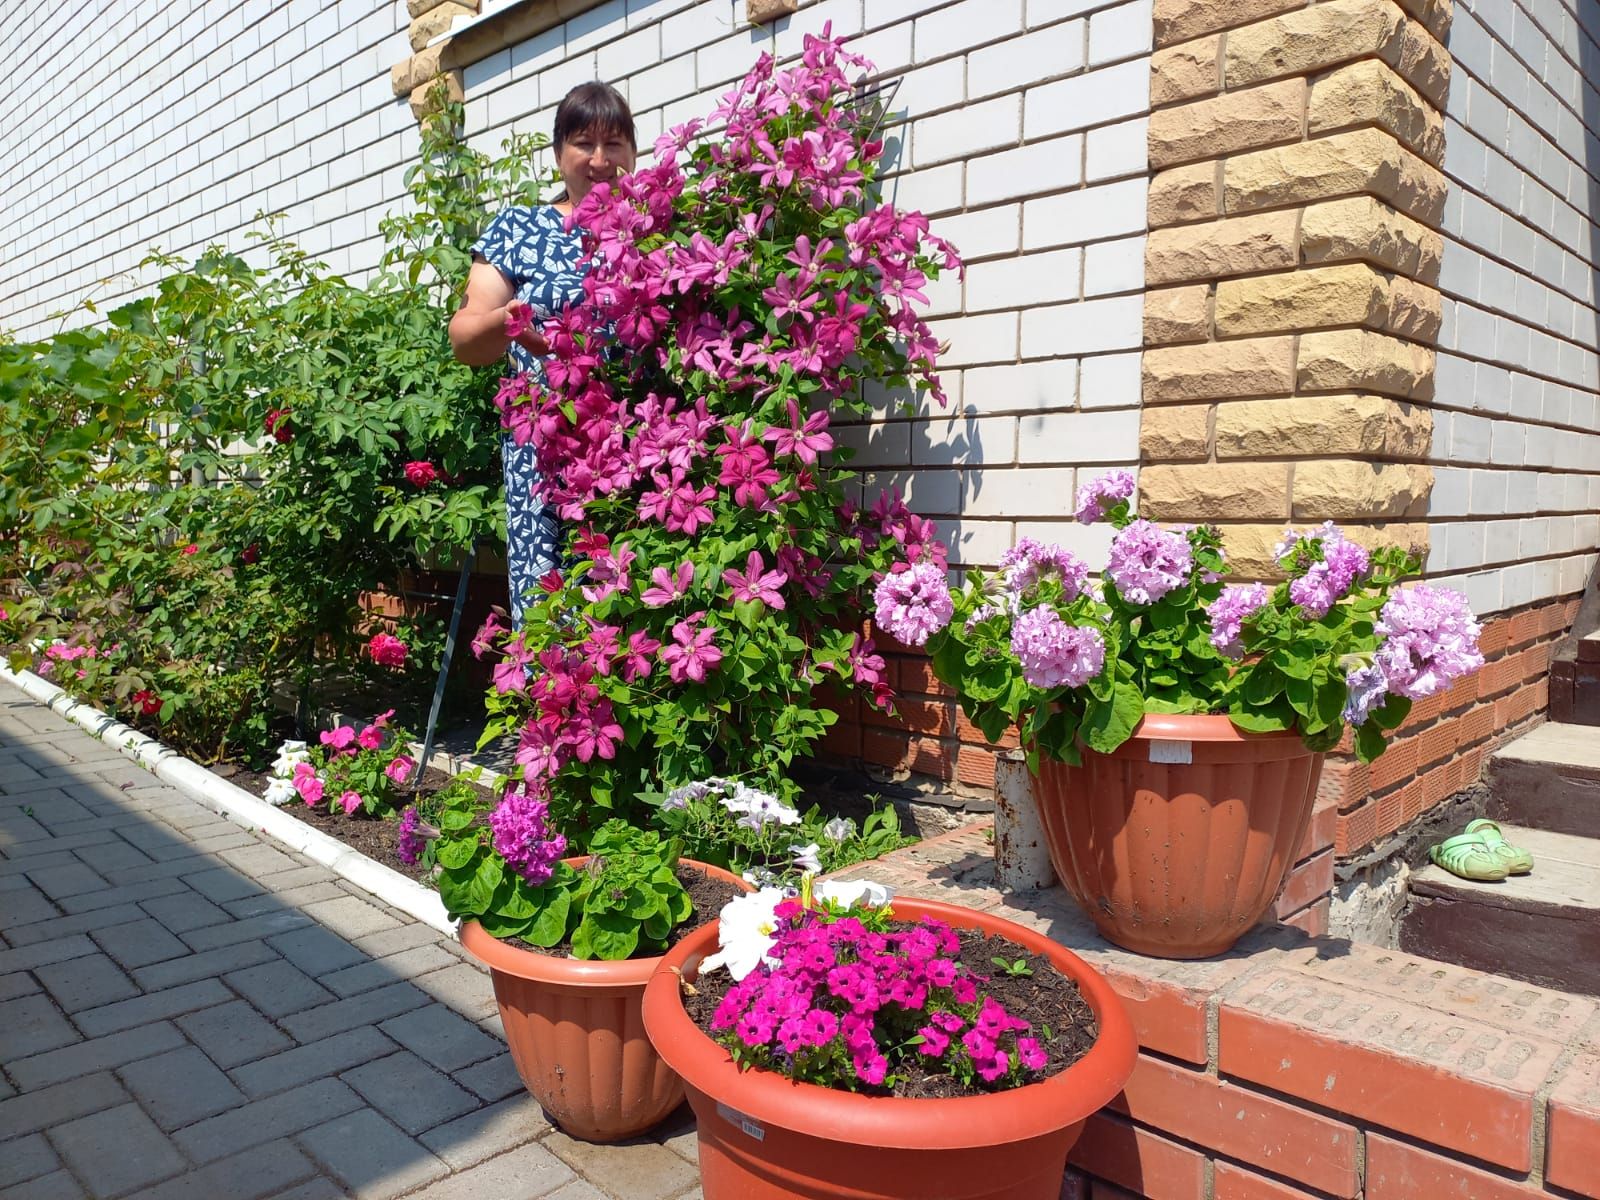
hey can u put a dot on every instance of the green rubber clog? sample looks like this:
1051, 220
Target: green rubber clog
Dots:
1470, 857
1517, 860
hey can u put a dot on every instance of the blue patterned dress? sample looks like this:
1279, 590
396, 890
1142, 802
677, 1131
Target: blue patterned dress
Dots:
542, 261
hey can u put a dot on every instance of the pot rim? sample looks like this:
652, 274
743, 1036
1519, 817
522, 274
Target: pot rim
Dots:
575, 972
1202, 727
953, 1123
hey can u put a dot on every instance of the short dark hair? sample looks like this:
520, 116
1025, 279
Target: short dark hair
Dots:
597, 106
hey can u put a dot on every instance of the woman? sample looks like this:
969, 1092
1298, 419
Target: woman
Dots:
526, 261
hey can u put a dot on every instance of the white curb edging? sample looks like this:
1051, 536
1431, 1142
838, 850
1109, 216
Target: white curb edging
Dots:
233, 802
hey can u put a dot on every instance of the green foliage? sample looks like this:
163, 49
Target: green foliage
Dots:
261, 409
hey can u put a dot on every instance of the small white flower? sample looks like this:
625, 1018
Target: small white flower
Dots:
290, 754
745, 930
805, 857
761, 877
839, 829
280, 791
848, 892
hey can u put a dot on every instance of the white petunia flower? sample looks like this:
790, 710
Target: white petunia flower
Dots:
281, 791
848, 892
745, 930
805, 857
839, 829
290, 754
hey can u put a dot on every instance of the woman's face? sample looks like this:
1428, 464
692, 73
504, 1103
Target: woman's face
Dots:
592, 157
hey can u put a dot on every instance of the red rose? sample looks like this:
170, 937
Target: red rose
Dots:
149, 703
250, 554
191, 548
421, 474
278, 424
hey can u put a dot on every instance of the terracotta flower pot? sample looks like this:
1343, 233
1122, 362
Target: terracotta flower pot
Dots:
764, 1137
1176, 843
576, 1035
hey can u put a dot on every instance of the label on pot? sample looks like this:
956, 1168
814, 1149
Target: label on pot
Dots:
737, 1118
1171, 752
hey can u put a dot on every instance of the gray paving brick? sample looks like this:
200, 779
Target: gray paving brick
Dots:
316, 951
38, 955
264, 926
139, 943
320, 1188
303, 874
16, 773
57, 811
578, 1189
410, 1092
184, 911
258, 860
297, 897
350, 917
180, 1087
141, 1010
121, 775
372, 1158
26, 1158
24, 906
32, 1025
45, 1108
117, 855
18, 983
249, 1175
62, 927
96, 1054
365, 1009
128, 894
408, 964
489, 1131
464, 987
233, 1033
528, 1171
442, 1037
117, 1150
31, 855
204, 965
58, 1185
220, 884
639, 1170
17, 826
493, 1080
86, 982
266, 1120
277, 988
392, 941
57, 882
319, 1059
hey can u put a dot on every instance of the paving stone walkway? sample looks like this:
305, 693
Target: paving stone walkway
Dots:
189, 1010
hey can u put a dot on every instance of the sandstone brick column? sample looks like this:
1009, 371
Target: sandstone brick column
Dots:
1292, 265
414, 77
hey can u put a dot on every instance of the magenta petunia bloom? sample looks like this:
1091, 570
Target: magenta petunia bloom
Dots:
387, 650
520, 825
1147, 562
1054, 654
1230, 610
914, 604
1429, 640
1102, 493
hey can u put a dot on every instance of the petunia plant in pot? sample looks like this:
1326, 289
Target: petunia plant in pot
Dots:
1177, 726
569, 943
836, 1047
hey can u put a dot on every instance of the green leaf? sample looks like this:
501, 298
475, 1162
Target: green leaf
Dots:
550, 925
1107, 725
454, 853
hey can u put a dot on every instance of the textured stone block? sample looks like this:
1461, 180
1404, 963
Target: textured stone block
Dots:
1353, 294
1248, 367
1360, 161
1174, 433
1361, 360
1179, 20
1370, 93
415, 8
762, 12
1237, 246
1364, 228
1342, 489
435, 21
1177, 314
422, 98
1414, 310
1182, 194
405, 77
1185, 71
1316, 37
1220, 125
1214, 491
1306, 426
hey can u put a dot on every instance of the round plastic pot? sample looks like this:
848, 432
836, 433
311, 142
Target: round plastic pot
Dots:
764, 1137
576, 1034
1177, 842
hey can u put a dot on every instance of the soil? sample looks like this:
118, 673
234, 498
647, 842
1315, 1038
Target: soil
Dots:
706, 895
1045, 998
372, 836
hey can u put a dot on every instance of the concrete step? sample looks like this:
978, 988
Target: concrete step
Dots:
1549, 779
1543, 927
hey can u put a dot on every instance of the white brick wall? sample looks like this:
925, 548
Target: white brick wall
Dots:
1020, 130
1515, 510
173, 124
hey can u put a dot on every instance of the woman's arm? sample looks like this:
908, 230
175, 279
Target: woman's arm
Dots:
478, 329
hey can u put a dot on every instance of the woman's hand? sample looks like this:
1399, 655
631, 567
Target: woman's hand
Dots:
518, 325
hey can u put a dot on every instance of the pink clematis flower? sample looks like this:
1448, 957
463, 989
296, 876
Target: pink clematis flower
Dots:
756, 583
668, 586
693, 651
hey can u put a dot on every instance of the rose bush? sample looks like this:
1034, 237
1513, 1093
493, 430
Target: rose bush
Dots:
1072, 662
741, 291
